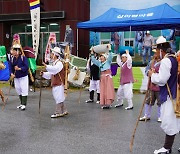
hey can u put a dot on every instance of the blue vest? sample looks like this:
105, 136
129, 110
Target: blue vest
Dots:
172, 82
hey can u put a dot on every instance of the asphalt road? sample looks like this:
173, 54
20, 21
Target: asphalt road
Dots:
87, 129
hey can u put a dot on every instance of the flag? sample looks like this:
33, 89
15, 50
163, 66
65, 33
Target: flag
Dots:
29, 53
4, 73
35, 21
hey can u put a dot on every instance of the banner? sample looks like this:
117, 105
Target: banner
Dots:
35, 21
51, 41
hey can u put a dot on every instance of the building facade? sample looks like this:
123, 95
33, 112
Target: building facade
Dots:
56, 15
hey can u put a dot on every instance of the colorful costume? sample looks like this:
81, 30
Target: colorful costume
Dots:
107, 93
153, 93
167, 81
21, 81
126, 82
94, 81
57, 75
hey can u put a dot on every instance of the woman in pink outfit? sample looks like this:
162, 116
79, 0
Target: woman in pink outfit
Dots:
107, 93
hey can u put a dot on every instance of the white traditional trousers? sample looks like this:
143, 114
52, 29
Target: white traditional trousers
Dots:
125, 91
58, 94
22, 85
94, 85
170, 124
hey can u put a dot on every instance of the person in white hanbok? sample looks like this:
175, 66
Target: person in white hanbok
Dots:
167, 77
56, 73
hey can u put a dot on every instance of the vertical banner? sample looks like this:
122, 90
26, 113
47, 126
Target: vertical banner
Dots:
35, 21
51, 41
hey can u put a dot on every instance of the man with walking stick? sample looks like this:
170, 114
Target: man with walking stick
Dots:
167, 80
56, 73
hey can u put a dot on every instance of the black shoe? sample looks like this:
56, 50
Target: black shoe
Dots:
105, 107
89, 101
179, 149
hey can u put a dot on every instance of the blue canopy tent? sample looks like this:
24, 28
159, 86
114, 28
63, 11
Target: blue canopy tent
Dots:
114, 20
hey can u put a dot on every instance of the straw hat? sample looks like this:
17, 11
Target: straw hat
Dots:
153, 50
16, 46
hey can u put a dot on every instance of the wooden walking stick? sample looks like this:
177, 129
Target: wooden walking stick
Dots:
10, 87
40, 93
29, 71
2, 96
178, 88
137, 121
80, 93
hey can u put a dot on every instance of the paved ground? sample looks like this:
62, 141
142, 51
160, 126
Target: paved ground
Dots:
86, 130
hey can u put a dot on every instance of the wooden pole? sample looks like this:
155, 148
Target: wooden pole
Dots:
137, 121
40, 93
10, 87
67, 59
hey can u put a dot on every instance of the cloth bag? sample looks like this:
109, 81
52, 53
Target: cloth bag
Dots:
76, 81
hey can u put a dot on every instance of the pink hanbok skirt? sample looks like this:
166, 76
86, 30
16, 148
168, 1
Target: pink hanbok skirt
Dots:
107, 93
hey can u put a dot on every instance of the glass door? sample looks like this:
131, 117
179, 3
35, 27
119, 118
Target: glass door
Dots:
25, 32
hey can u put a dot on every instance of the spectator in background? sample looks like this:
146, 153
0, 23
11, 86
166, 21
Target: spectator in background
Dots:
116, 41
172, 38
139, 41
147, 45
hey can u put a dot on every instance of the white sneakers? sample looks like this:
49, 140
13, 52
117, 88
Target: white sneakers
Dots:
144, 118
18, 107
22, 107
98, 102
89, 101
129, 108
118, 105
162, 150
159, 120
56, 115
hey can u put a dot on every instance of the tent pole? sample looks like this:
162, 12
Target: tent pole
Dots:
129, 36
77, 43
